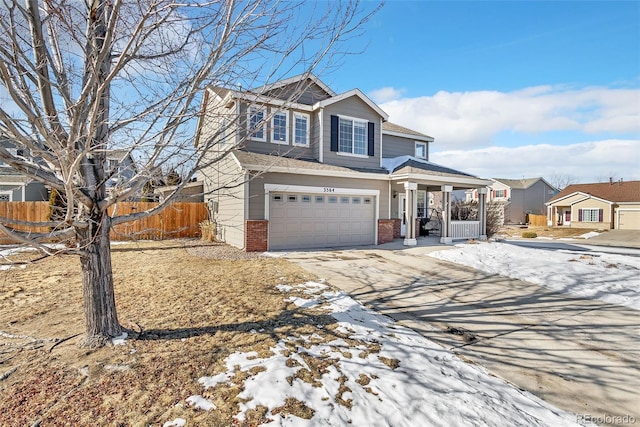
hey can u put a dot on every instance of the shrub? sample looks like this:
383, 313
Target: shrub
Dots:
208, 230
529, 234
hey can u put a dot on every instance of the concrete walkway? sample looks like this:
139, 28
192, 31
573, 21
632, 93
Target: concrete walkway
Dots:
580, 355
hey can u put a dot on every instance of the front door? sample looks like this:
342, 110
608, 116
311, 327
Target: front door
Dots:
567, 217
402, 209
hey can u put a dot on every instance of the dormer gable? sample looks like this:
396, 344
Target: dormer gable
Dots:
304, 89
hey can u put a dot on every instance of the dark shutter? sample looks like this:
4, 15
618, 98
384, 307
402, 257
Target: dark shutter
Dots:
334, 133
579, 215
600, 214
371, 135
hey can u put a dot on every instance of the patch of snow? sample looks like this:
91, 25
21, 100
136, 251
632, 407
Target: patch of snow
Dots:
274, 254
408, 381
178, 422
284, 288
119, 340
589, 235
604, 276
200, 402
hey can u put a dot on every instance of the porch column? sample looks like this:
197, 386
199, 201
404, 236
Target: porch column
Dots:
550, 216
482, 212
410, 189
446, 214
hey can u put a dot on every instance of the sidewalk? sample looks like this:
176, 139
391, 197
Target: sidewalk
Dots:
581, 355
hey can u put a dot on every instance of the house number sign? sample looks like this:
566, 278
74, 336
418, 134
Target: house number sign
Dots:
329, 190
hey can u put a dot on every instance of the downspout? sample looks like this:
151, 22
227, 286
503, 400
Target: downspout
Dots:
321, 135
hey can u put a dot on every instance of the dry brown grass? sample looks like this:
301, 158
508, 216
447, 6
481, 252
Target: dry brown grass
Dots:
553, 232
187, 310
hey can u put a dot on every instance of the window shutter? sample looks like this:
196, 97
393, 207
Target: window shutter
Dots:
334, 133
600, 214
371, 135
580, 215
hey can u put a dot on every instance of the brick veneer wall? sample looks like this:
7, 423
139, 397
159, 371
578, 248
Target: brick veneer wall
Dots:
386, 230
397, 222
255, 235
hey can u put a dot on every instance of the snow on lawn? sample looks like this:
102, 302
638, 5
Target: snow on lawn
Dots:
599, 275
374, 373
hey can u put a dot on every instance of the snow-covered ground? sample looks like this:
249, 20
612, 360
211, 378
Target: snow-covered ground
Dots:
410, 381
594, 274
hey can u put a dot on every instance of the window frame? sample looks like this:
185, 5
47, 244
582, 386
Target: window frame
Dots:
251, 132
420, 144
503, 193
425, 202
353, 120
583, 211
307, 118
277, 113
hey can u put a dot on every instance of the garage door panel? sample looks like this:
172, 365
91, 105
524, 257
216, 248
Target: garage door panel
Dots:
308, 221
629, 220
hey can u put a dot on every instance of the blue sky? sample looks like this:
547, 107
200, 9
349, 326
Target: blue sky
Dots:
509, 89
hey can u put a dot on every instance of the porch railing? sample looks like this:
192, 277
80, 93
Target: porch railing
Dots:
465, 229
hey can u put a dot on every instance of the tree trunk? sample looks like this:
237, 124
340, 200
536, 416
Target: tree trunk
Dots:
101, 319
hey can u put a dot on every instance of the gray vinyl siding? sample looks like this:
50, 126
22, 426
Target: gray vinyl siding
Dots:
310, 96
35, 192
395, 146
268, 147
531, 199
356, 108
256, 189
230, 200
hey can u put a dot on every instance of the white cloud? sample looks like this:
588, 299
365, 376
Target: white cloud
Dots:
386, 94
473, 119
587, 161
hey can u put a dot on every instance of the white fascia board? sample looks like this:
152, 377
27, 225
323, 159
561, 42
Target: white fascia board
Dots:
438, 179
317, 172
286, 188
352, 92
424, 138
585, 196
266, 100
628, 203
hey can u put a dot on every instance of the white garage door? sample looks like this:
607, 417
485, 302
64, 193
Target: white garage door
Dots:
299, 220
629, 220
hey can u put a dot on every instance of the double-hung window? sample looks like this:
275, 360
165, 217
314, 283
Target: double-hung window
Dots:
590, 215
280, 128
352, 136
256, 120
501, 193
422, 203
301, 129
421, 150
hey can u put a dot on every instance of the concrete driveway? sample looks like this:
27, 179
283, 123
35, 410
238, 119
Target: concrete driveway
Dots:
581, 355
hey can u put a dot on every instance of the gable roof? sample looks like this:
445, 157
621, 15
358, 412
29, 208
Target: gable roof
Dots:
521, 184
353, 92
307, 78
389, 128
625, 191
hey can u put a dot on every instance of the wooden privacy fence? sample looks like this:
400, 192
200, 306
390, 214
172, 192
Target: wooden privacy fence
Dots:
537, 220
176, 220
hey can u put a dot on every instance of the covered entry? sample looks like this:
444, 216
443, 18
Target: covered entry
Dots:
320, 217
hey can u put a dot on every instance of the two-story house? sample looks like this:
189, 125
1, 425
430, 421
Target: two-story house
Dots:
519, 197
295, 165
14, 186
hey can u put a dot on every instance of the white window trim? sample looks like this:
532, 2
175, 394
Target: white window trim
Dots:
353, 144
286, 129
415, 151
591, 209
426, 203
250, 134
9, 193
308, 118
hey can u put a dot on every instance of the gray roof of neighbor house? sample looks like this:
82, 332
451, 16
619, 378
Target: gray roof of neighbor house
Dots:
625, 191
520, 184
393, 127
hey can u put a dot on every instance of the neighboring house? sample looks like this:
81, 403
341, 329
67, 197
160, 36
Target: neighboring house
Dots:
608, 205
119, 167
520, 197
16, 187
312, 169
191, 192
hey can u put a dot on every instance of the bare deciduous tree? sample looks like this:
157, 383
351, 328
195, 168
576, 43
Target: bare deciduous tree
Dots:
560, 181
79, 79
